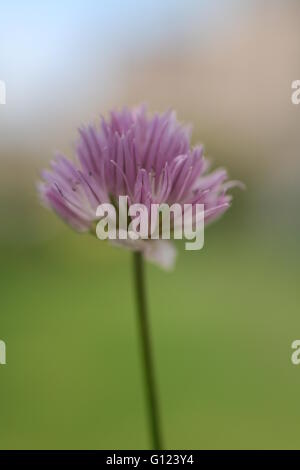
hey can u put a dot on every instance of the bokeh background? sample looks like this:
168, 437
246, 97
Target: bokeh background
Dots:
223, 321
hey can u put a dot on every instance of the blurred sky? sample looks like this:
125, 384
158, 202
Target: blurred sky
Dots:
72, 52
39, 39
42, 41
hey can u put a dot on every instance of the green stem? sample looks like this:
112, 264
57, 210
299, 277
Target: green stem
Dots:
146, 351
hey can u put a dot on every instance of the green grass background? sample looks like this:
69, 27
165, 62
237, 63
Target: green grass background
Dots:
222, 326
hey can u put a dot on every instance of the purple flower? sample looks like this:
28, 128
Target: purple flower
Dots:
148, 159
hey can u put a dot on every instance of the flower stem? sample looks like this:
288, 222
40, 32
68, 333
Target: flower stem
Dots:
146, 351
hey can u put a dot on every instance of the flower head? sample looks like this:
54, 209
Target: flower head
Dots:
148, 159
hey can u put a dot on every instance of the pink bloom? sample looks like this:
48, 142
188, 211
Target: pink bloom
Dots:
148, 159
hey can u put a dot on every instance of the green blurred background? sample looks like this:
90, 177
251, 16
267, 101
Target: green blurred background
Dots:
223, 321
